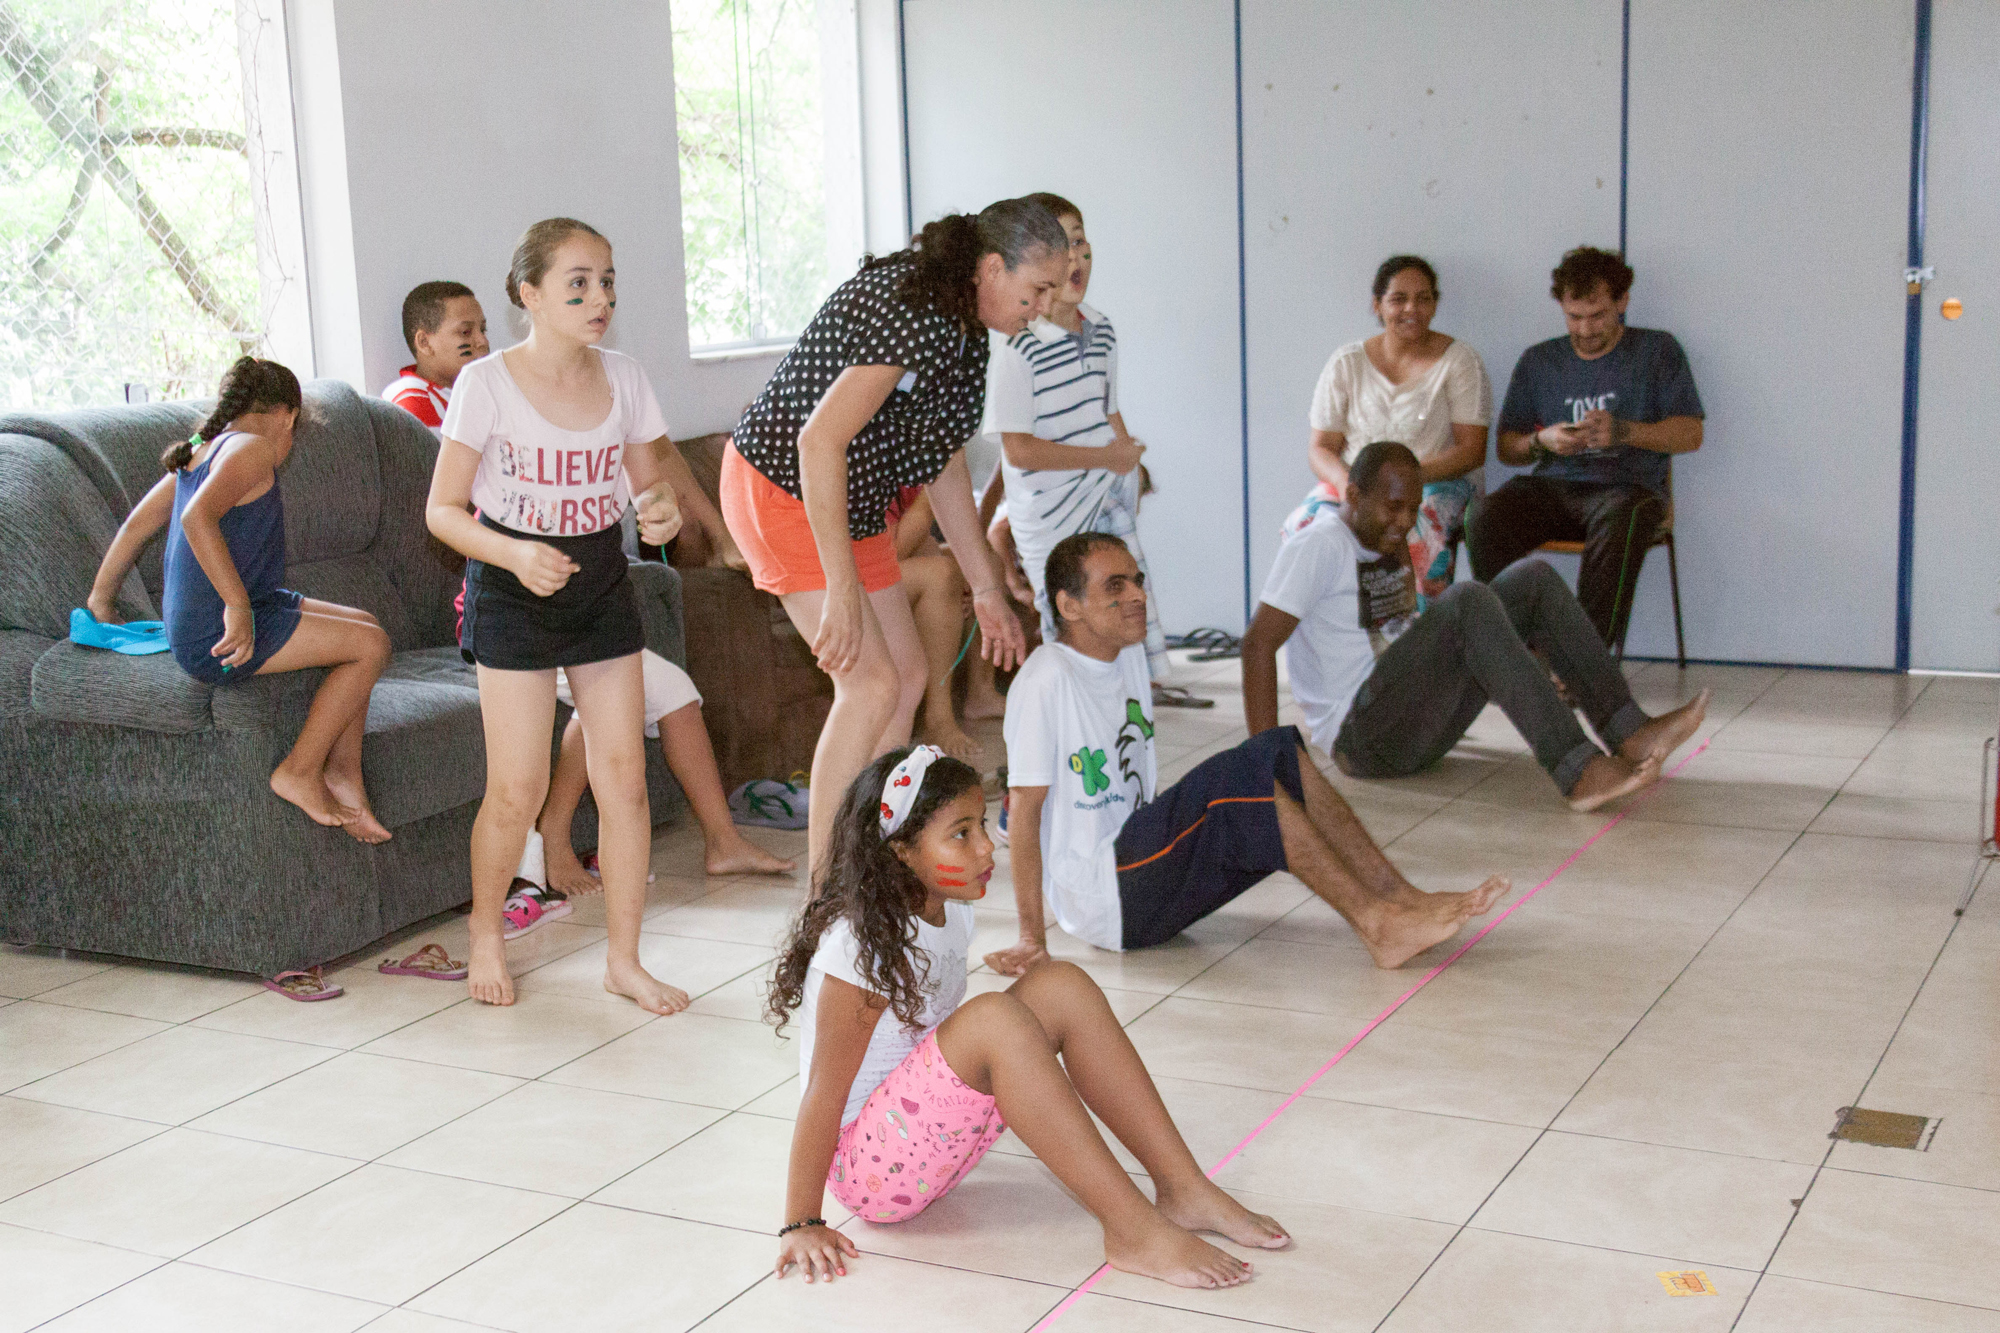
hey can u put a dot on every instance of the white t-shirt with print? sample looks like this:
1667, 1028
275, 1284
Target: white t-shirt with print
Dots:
1320, 576
537, 477
948, 947
1357, 400
1083, 729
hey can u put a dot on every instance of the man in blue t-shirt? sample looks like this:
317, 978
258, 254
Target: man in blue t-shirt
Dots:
1598, 413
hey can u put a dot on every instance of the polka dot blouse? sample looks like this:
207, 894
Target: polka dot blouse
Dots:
914, 434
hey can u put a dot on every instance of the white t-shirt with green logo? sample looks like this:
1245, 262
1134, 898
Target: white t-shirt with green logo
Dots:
1083, 729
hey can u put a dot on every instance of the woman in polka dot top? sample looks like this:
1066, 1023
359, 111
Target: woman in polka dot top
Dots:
881, 391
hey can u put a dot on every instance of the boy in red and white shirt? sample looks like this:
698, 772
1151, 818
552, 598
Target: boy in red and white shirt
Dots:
446, 330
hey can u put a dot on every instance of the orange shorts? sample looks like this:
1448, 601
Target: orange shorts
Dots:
771, 530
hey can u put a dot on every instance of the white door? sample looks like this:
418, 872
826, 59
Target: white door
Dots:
1957, 570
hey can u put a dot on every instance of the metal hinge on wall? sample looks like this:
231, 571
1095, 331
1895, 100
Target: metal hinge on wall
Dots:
1915, 278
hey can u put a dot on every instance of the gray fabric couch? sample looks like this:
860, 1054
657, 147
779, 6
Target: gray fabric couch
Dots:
135, 815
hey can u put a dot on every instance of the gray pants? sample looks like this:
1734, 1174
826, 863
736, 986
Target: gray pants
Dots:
1471, 646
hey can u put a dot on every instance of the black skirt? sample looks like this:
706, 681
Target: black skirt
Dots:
592, 618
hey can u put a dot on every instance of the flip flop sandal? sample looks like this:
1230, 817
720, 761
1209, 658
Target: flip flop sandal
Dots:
590, 868
305, 986
430, 961
1216, 645
1173, 696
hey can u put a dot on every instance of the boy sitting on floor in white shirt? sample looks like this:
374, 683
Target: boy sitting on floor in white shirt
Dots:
1122, 865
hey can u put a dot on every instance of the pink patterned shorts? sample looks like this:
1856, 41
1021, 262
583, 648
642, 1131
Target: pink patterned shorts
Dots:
916, 1137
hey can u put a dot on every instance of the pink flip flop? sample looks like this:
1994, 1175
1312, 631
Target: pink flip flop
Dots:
305, 986
430, 961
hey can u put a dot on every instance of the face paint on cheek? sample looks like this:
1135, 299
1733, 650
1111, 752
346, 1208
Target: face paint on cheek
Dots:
574, 300
950, 883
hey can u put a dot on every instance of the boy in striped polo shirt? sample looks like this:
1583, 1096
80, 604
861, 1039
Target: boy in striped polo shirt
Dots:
445, 330
1068, 463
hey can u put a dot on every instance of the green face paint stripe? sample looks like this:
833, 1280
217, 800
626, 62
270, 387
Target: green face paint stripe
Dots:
574, 300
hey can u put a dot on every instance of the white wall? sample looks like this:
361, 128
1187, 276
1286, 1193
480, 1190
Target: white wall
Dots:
1770, 177
1127, 108
433, 133
1483, 137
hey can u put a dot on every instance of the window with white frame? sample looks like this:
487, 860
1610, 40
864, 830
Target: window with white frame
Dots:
130, 228
764, 98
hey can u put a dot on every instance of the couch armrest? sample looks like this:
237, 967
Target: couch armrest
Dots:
659, 589
151, 693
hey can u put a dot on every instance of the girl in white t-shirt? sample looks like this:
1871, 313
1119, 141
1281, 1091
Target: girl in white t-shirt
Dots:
907, 1083
1416, 386
549, 439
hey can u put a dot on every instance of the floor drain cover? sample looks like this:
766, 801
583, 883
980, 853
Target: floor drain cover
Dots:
1884, 1129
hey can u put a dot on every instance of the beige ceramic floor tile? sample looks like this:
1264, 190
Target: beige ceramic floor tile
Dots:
1781, 729
1159, 970
1513, 1284
557, 1140
453, 934
28, 971
406, 1320
1113, 1314
37, 1039
380, 1234
1922, 765
1910, 1237
373, 1006
1008, 1217
1964, 1146
742, 998
175, 1075
181, 1298
536, 1034
1644, 871
618, 1270
1787, 1305
720, 1062
753, 912
1236, 1045
1512, 1078
1308, 978
1754, 1108
1697, 1208
1703, 1019
1747, 789
1900, 817
663, 894
47, 1275
974, 1302
730, 1174
45, 1141
1344, 1270
1379, 1158
357, 1105
780, 1103
145, 990
172, 1193
696, 966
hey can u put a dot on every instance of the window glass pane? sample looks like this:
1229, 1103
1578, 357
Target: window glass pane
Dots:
128, 246
753, 167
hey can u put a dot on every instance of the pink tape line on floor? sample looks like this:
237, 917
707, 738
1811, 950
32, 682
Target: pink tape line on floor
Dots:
1048, 1320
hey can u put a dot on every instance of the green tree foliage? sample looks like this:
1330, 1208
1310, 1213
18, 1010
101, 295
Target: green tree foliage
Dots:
127, 235
753, 167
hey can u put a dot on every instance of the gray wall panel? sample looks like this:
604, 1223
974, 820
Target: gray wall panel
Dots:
1128, 109
1483, 137
1958, 441
1769, 182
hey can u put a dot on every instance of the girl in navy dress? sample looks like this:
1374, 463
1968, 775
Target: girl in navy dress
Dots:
227, 617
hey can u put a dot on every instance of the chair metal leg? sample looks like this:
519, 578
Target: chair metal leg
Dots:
1674, 577
1988, 850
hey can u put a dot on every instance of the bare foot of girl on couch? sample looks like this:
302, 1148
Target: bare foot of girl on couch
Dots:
309, 792
364, 827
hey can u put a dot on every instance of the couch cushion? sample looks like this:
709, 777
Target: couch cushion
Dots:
425, 752
57, 527
152, 693
333, 483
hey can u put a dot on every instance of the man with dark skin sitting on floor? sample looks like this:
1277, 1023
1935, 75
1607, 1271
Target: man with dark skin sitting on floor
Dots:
1123, 865
1388, 694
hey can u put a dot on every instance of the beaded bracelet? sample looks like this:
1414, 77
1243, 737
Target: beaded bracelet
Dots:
790, 1227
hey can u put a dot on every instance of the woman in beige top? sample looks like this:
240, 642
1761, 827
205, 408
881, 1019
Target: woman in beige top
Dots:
1411, 384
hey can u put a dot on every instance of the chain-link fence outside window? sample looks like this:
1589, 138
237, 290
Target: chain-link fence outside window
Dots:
747, 95
128, 237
